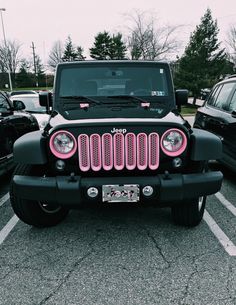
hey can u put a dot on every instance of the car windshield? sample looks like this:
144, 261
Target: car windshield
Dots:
112, 81
31, 103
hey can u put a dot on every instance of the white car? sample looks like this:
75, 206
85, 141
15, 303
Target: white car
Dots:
31, 102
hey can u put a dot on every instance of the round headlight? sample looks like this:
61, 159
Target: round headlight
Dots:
173, 142
63, 144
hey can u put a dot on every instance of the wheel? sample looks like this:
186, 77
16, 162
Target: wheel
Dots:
190, 212
33, 212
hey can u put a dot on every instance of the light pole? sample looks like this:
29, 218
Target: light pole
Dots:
5, 42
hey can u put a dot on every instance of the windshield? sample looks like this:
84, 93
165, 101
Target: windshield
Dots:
31, 103
145, 81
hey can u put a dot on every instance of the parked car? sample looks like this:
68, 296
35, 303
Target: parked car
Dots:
218, 115
31, 102
13, 124
115, 136
18, 92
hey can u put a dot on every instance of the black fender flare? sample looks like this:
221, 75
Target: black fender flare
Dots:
30, 148
204, 145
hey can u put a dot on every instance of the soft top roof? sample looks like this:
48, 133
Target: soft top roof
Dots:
108, 62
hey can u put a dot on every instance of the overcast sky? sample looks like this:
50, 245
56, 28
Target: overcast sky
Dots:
45, 21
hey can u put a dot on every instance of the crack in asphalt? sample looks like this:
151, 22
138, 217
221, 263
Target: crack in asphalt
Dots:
194, 260
190, 277
43, 251
74, 266
186, 288
6, 275
19, 266
152, 238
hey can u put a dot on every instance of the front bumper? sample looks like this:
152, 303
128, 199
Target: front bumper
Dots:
69, 192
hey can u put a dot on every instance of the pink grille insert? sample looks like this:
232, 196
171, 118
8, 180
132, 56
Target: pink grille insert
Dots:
130, 151
118, 151
142, 151
83, 151
107, 151
95, 152
153, 153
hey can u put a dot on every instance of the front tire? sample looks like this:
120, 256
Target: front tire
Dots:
33, 212
190, 212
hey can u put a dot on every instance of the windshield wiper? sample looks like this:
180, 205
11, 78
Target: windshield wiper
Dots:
81, 98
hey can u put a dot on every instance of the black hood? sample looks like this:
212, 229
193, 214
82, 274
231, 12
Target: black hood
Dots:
122, 109
58, 121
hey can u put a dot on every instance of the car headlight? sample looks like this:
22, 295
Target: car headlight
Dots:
173, 142
63, 144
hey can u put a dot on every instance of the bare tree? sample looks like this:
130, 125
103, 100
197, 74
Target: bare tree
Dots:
231, 43
56, 54
147, 40
9, 56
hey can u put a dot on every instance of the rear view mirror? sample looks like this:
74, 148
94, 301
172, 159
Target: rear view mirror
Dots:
181, 97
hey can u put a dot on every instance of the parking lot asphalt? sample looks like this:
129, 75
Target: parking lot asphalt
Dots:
121, 256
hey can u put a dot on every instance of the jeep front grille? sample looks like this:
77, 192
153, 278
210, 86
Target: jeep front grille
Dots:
118, 151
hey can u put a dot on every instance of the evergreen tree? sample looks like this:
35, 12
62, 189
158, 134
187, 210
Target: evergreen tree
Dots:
117, 48
102, 46
24, 77
107, 47
71, 53
203, 61
80, 55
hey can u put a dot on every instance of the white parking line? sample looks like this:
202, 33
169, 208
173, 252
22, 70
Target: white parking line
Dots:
8, 227
227, 244
226, 203
4, 199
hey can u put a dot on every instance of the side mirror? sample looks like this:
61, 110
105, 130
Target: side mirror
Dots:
45, 100
181, 97
18, 105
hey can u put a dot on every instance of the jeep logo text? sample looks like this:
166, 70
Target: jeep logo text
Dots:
116, 130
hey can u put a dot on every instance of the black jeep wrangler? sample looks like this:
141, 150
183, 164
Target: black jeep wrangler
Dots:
115, 136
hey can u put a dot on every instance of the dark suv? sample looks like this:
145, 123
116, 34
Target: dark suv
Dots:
115, 136
13, 124
218, 115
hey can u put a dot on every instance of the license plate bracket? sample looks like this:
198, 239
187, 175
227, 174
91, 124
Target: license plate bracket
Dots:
120, 193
